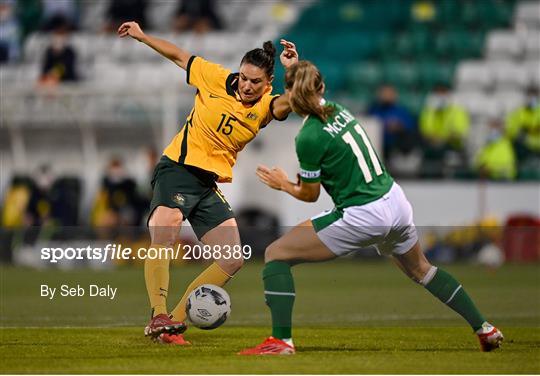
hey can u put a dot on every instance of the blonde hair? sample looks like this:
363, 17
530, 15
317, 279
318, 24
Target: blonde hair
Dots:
306, 85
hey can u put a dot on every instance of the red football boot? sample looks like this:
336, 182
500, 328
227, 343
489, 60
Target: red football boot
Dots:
163, 324
490, 337
172, 339
270, 346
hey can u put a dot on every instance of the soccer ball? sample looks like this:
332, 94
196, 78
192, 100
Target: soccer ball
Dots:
208, 306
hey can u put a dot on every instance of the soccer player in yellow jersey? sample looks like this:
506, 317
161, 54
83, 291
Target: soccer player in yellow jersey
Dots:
229, 110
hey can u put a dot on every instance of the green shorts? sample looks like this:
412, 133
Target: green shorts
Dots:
193, 191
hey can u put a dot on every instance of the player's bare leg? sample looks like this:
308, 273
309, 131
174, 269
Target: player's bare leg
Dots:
299, 245
223, 267
414, 263
450, 292
225, 234
164, 225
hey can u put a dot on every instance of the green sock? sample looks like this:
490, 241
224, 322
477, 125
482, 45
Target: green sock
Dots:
450, 292
279, 294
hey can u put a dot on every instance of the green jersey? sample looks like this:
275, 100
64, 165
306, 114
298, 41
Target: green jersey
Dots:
338, 153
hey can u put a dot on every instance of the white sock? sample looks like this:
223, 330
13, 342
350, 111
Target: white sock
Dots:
486, 328
288, 341
429, 275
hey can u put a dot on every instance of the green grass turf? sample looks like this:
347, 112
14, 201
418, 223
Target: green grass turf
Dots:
350, 317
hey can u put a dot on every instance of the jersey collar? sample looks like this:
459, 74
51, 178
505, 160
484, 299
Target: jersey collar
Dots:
231, 85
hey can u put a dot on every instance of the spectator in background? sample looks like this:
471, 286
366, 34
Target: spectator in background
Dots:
40, 208
15, 204
523, 126
444, 127
496, 160
9, 32
60, 59
398, 124
59, 13
120, 11
146, 161
117, 202
197, 15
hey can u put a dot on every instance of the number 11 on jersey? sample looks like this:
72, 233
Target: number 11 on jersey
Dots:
349, 139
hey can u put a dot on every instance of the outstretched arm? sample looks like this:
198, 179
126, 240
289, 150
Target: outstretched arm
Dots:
288, 57
177, 55
277, 179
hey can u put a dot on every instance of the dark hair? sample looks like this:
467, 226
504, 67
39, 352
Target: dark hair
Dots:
262, 58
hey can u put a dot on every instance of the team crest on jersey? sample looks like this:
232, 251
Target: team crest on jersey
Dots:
252, 116
179, 199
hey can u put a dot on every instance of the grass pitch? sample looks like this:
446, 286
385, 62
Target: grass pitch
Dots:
350, 317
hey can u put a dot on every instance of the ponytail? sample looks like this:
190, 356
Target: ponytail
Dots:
306, 85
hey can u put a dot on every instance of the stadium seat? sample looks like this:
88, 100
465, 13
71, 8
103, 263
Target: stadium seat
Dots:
368, 74
20, 75
147, 75
84, 46
508, 75
528, 13
531, 41
415, 43
9, 74
473, 74
470, 12
447, 12
444, 44
509, 100
160, 14
503, 45
93, 15
401, 73
533, 71
467, 43
362, 96
308, 44
478, 103
413, 100
349, 46
433, 72
495, 13
35, 46
108, 73
334, 75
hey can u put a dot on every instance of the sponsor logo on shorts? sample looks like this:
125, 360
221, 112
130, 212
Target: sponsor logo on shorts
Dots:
179, 199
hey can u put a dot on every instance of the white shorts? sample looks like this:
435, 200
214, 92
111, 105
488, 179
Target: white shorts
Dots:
386, 223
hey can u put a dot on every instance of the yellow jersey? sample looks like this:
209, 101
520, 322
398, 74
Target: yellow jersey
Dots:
219, 125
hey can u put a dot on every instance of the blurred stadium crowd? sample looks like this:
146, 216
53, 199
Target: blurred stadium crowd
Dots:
454, 85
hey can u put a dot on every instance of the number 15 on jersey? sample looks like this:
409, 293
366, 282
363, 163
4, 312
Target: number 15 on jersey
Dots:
226, 124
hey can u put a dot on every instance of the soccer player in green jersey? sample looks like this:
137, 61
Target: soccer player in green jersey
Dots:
370, 209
